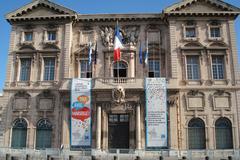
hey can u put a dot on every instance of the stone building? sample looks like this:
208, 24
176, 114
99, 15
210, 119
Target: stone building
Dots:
192, 44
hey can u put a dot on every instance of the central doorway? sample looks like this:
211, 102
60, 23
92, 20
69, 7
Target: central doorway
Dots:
118, 131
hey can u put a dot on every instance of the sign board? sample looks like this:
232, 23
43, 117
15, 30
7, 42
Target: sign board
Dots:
80, 135
156, 112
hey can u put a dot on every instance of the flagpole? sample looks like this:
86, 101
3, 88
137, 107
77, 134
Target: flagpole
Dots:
118, 62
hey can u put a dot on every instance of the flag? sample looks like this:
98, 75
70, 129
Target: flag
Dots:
117, 44
89, 53
146, 54
95, 54
140, 53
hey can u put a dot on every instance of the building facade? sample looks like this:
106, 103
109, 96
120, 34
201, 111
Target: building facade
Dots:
192, 44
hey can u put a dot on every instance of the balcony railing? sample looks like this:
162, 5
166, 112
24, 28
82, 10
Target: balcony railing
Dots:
128, 154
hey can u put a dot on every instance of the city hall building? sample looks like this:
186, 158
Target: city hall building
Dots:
175, 88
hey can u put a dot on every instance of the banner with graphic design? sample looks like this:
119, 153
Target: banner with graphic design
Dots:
156, 112
81, 113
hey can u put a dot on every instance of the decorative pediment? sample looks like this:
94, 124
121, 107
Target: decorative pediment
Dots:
201, 6
40, 8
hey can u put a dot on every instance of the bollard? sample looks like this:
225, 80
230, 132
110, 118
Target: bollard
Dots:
27, 157
161, 158
138, 158
70, 157
7, 156
229, 157
115, 158
206, 158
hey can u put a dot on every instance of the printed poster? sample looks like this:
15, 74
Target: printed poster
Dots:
156, 112
81, 113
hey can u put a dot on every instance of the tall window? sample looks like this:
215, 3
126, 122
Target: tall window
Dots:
52, 35
85, 69
19, 133
49, 69
44, 134
196, 134
28, 36
153, 68
223, 133
120, 69
193, 72
218, 67
25, 69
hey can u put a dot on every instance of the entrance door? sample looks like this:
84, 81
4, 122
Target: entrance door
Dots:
118, 131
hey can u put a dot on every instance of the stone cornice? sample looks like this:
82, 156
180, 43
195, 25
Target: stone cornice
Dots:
120, 17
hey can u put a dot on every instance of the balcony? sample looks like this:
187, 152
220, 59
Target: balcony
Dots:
109, 83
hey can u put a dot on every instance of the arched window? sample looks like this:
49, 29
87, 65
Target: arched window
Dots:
120, 69
196, 134
19, 133
223, 133
44, 134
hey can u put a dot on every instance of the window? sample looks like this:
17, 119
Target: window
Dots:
223, 131
196, 134
193, 72
85, 69
28, 36
190, 32
120, 69
44, 134
49, 69
215, 32
153, 68
25, 69
218, 67
19, 133
51, 35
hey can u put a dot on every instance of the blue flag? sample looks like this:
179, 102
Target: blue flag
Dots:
140, 53
90, 53
146, 54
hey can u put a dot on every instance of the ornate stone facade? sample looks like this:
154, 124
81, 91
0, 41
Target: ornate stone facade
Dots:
183, 31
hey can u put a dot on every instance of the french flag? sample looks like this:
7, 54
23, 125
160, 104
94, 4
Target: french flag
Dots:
117, 44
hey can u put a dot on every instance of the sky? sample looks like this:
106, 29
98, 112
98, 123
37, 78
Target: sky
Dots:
87, 7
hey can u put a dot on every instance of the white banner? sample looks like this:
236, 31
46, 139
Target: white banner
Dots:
156, 112
81, 113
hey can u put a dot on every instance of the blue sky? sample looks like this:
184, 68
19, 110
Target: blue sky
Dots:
87, 7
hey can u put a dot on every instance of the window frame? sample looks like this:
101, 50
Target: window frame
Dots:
191, 25
23, 130
54, 74
215, 25
229, 143
88, 70
223, 67
20, 69
191, 129
186, 67
46, 36
46, 129
154, 69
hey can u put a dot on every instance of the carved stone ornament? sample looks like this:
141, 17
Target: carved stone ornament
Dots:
129, 34
118, 95
107, 35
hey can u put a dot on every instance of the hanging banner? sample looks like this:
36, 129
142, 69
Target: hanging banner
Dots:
156, 112
80, 135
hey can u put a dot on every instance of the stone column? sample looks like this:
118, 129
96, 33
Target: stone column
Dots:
138, 127
98, 131
132, 65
